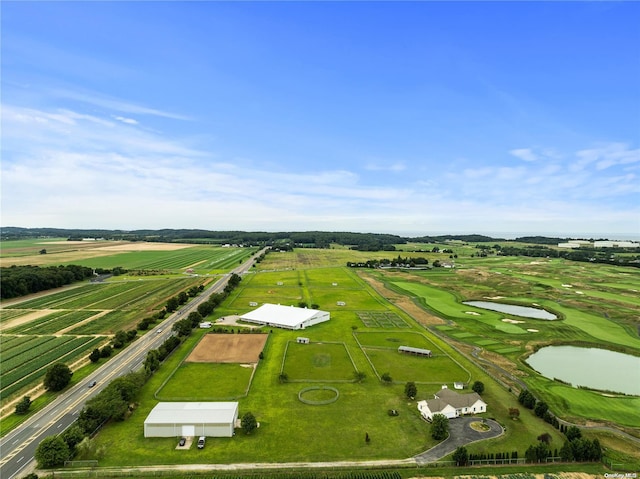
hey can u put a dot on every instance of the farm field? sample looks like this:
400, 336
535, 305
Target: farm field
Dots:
68, 323
363, 335
291, 430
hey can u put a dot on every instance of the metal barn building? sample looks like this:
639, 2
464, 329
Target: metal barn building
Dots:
191, 419
287, 317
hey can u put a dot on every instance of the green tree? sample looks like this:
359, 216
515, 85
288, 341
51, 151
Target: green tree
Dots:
386, 378
248, 423
23, 406
172, 304
461, 456
57, 377
359, 376
439, 427
182, 327
478, 387
73, 436
410, 390
52, 452
573, 433
566, 452
540, 408
94, 357
514, 413
194, 318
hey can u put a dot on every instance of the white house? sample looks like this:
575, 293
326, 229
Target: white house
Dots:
191, 419
451, 404
286, 317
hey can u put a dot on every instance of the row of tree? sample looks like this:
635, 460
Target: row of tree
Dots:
18, 281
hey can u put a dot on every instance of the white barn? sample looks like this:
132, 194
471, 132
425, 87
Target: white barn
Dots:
451, 404
286, 317
191, 419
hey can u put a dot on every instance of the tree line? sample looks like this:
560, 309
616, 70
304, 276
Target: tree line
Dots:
18, 281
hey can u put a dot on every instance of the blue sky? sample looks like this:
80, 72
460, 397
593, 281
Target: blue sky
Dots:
410, 118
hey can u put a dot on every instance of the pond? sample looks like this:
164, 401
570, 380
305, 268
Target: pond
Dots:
590, 367
522, 311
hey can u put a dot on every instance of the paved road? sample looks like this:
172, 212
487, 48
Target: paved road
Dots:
460, 434
17, 448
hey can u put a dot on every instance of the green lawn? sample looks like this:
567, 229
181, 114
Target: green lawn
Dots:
206, 382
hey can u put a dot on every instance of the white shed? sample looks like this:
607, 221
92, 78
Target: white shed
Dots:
173, 419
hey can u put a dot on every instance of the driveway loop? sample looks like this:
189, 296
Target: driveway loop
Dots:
460, 434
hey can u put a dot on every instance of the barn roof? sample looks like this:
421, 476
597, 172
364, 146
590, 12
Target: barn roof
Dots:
276, 314
192, 412
411, 349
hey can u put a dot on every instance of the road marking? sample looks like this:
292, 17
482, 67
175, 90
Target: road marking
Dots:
20, 459
15, 442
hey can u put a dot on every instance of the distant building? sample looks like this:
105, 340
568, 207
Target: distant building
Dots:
451, 404
302, 340
205, 324
415, 351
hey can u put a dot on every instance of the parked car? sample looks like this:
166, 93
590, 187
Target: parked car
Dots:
183, 441
92, 383
201, 442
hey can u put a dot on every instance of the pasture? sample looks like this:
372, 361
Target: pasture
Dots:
320, 361
207, 382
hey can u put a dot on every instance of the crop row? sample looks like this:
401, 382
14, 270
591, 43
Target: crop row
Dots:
9, 342
29, 352
21, 328
24, 376
19, 345
162, 292
50, 300
8, 314
54, 322
100, 292
108, 323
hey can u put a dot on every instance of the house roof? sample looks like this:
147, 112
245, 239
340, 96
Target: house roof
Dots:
458, 400
277, 314
193, 412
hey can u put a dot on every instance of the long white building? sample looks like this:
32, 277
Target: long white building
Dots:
287, 317
191, 419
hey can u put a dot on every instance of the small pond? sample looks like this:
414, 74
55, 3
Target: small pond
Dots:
522, 311
590, 367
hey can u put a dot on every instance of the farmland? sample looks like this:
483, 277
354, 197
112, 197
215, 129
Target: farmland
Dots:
411, 307
68, 323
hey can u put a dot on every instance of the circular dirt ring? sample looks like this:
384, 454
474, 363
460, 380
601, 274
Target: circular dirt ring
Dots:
336, 395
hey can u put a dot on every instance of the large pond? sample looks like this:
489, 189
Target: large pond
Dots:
522, 311
591, 367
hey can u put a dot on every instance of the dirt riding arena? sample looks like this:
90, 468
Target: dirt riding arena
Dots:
228, 348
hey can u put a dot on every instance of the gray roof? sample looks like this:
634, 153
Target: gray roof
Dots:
410, 349
193, 413
458, 400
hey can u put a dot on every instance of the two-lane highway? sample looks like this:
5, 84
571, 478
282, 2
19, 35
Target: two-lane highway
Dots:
18, 447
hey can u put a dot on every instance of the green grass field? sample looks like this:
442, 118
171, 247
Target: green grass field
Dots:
291, 430
206, 382
318, 362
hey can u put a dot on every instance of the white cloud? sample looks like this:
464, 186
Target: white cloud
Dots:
129, 121
525, 154
84, 170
